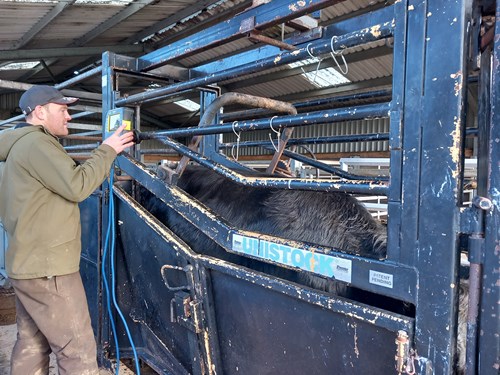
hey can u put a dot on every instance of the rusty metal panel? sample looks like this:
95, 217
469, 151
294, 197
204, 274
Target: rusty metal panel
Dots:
264, 331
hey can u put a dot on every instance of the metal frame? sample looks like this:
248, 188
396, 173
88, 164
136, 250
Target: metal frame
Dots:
426, 218
488, 343
426, 168
429, 218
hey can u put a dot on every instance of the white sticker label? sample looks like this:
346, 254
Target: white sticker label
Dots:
380, 278
338, 268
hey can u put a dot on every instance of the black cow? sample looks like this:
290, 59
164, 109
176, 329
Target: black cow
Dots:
333, 219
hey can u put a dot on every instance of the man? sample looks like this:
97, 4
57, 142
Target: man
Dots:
40, 188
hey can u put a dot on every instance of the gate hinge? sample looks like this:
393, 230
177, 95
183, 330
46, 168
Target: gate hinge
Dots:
472, 223
476, 248
469, 220
405, 356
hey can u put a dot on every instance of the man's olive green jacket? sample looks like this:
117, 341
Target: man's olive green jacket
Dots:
40, 187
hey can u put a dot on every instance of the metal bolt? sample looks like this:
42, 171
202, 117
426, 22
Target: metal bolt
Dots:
482, 203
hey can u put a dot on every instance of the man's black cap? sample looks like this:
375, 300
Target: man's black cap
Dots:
41, 95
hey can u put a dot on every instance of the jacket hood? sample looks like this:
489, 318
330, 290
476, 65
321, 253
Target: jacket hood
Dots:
9, 137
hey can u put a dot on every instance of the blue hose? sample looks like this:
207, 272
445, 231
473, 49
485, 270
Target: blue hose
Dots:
112, 229
106, 286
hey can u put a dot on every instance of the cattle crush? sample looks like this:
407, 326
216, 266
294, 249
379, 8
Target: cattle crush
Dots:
237, 271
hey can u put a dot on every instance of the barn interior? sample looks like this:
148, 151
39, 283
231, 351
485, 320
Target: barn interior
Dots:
57, 44
372, 98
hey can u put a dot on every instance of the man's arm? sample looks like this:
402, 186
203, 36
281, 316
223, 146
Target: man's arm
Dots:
58, 172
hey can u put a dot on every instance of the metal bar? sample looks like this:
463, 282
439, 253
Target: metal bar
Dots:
319, 117
12, 119
89, 146
5, 84
475, 274
489, 173
75, 125
108, 84
80, 77
209, 144
40, 53
163, 151
343, 98
313, 141
476, 248
378, 17
19, 86
97, 133
273, 42
369, 34
396, 131
59, 86
345, 87
258, 18
310, 66
471, 132
480, 207
283, 183
82, 137
332, 169
229, 116
430, 186
82, 114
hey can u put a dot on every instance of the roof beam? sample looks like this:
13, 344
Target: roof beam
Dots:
43, 53
122, 15
20, 86
113, 21
37, 69
44, 21
171, 20
205, 24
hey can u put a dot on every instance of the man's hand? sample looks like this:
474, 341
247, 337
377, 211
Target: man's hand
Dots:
120, 141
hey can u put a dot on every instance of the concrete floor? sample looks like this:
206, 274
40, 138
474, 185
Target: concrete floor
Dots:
8, 338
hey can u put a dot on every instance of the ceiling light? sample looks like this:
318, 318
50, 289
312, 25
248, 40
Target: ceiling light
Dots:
20, 65
103, 2
321, 77
188, 104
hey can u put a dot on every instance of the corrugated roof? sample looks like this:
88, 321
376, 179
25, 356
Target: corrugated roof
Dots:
62, 32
